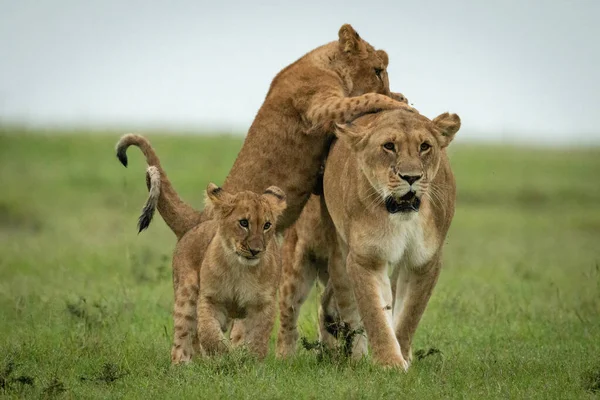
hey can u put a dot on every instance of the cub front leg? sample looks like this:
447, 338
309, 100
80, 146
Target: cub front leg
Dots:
184, 315
211, 323
259, 324
374, 297
329, 107
413, 291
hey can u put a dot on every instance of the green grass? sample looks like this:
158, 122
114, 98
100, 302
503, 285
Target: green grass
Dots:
85, 302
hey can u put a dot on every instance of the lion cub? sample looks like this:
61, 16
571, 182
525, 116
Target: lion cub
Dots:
225, 268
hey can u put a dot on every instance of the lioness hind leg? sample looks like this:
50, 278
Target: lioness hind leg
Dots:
355, 339
298, 276
330, 323
413, 290
184, 315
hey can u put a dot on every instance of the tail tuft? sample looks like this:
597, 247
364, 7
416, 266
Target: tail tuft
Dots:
153, 183
145, 218
122, 155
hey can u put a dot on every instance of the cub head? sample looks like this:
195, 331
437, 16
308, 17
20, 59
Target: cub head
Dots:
246, 220
400, 153
366, 66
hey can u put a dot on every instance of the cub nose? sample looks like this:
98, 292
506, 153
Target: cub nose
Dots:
254, 252
411, 178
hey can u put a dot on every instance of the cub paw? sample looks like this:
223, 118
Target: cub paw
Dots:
180, 355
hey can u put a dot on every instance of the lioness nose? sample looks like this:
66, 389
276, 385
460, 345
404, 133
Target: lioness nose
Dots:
254, 251
411, 178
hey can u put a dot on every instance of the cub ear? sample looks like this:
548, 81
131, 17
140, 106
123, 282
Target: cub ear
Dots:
276, 199
349, 39
384, 57
448, 124
220, 199
355, 136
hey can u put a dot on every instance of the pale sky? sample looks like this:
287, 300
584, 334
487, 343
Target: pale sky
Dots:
513, 70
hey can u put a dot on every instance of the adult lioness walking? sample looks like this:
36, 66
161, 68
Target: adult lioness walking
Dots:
390, 191
289, 137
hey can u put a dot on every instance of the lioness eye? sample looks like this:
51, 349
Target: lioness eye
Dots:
244, 223
389, 146
425, 146
267, 225
378, 72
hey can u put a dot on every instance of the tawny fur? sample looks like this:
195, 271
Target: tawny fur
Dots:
360, 174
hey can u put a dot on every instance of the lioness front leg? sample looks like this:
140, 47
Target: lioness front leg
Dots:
413, 290
374, 297
211, 321
259, 324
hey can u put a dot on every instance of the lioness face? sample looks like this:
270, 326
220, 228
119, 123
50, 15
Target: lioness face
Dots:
246, 220
399, 153
367, 66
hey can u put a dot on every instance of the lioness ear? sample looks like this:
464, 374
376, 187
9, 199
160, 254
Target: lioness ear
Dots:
276, 199
448, 124
348, 38
220, 199
354, 136
384, 57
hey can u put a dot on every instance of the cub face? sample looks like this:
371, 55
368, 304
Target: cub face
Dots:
367, 66
400, 154
246, 220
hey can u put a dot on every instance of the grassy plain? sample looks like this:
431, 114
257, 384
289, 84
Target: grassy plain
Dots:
85, 302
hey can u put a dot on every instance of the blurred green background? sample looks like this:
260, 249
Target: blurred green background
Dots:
85, 302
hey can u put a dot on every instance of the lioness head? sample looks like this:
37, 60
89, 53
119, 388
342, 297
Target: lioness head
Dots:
399, 153
246, 220
366, 66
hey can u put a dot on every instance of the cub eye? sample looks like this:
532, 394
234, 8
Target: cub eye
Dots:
378, 72
425, 146
389, 146
267, 226
244, 223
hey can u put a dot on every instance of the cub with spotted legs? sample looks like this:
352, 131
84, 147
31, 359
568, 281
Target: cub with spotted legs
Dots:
225, 268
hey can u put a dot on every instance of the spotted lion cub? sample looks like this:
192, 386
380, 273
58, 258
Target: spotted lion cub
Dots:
223, 269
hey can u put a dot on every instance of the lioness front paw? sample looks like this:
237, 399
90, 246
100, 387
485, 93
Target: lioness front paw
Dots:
396, 361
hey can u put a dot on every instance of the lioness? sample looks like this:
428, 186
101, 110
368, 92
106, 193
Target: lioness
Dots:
389, 189
289, 137
227, 267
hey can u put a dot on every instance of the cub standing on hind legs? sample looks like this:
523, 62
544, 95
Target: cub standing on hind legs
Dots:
290, 135
227, 267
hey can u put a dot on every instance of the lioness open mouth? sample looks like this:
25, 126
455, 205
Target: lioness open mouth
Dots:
407, 203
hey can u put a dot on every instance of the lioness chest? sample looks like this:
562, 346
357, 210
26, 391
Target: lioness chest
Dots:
398, 239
